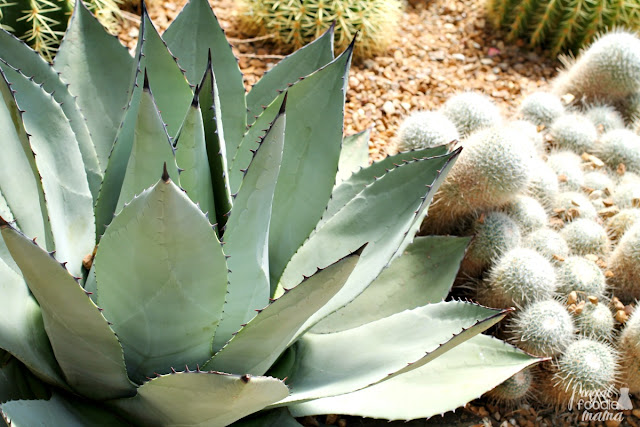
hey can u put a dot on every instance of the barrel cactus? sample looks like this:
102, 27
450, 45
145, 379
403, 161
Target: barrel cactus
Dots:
179, 266
42, 23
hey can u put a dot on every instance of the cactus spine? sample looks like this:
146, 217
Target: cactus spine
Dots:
471, 111
544, 328
426, 129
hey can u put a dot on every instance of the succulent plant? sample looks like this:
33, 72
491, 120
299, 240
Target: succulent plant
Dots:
595, 321
598, 180
604, 117
568, 166
620, 146
426, 129
543, 185
618, 224
118, 205
514, 390
629, 349
471, 111
543, 328
547, 242
607, 72
570, 205
585, 236
626, 193
624, 263
42, 23
580, 275
541, 108
530, 135
573, 132
520, 277
561, 25
528, 213
293, 24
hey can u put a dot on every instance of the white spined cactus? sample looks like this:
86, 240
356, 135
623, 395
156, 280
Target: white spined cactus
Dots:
471, 112
620, 146
541, 108
426, 129
580, 275
573, 132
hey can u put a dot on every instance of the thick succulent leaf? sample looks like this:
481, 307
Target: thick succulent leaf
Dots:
384, 214
16, 382
201, 398
191, 156
173, 97
99, 81
151, 149
251, 141
341, 362
345, 191
20, 56
215, 144
354, 155
85, 347
445, 384
19, 178
274, 418
299, 64
257, 345
162, 278
66, 410
193, 33
247, 235
422, 275
69, 201
310, 159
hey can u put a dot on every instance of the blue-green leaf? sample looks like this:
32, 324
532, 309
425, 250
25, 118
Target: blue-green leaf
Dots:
354, 155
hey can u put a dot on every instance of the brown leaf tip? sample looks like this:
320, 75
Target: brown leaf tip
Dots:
165, 174
245, 378
3, 222
145, 85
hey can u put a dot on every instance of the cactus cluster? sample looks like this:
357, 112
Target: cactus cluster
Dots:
42, 23
293, 24
561, 25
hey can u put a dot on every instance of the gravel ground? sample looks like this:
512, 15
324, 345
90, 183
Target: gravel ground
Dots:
443, 47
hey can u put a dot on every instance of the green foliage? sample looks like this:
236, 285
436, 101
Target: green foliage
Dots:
123, 280
294, 24
42, 23
561, 25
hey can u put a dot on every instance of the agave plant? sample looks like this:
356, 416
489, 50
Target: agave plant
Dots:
183, 268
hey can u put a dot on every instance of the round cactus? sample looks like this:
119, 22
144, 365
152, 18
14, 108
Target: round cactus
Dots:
529, 135
520, 277
607, 72
568, 166
618, 224
620, 146
544, 328
541, 108
586, 367
571, 205
629, 348
627, 193
543, 185
624, 263
426, 129
582, 276
574, 132
528, 213
595, 321
597, 180
295, 23
491, 170
604, 117
514, 390
547, 242
585, 236
471, 111
494, 233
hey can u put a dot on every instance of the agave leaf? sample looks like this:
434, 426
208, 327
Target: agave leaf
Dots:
279, 417
19, 178
309, 160
422, 275
299, 64
191, 155
100, 81
62, 410
64, 180
250, 141
450, 381
193, 33
173, 97
17, 382
151, 148
162, 278
354, 155
354, 184
215, 143
200, 398
382, 214
247, 235
341, 362
20, 56
85, 347
257, 345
